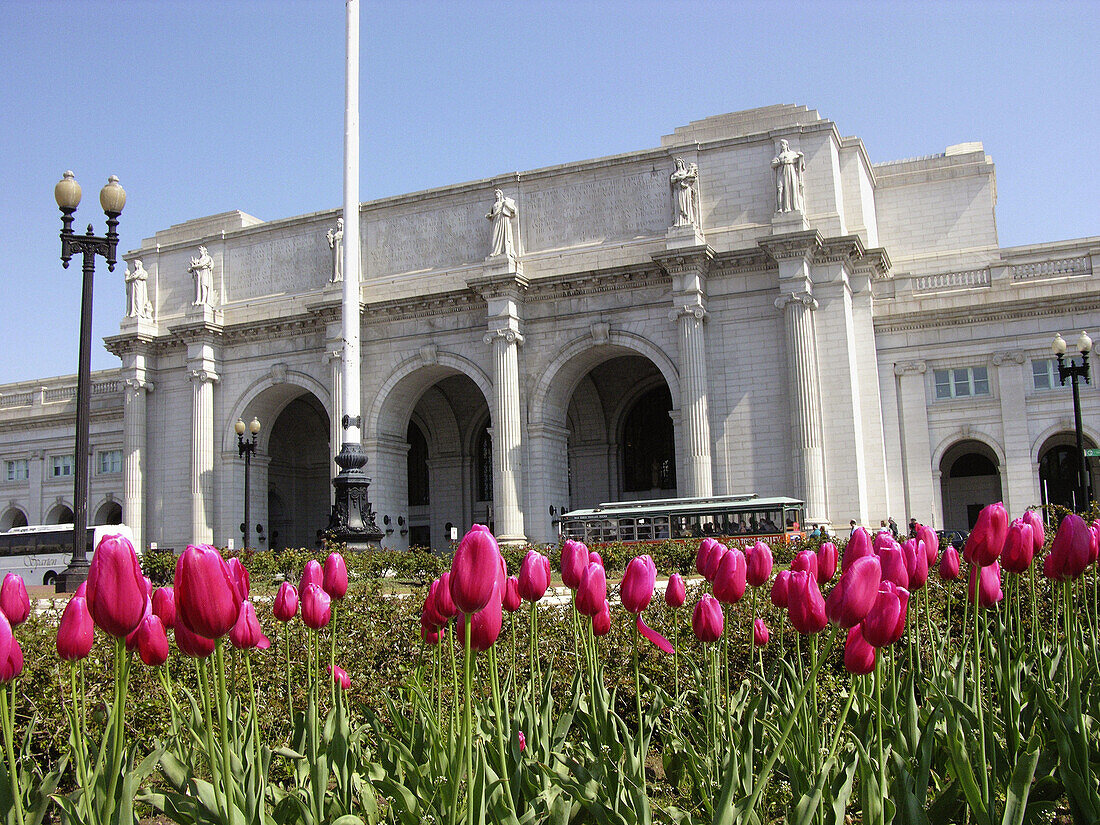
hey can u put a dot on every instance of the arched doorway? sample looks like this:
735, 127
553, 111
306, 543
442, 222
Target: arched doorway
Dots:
970, 479
60, 514
646, 446
13, 517
298, 473
419, 488
109, 513
1058, 470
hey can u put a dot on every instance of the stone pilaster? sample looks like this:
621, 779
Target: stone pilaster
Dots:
134, 433
921, 499
202, 455
507, 440
1021, 481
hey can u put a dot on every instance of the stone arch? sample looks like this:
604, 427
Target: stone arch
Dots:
586, 400
1056, 466
14, 516
265, 398
399, 394
59, 513
108, 511
957, 438
971, 475
1051, 435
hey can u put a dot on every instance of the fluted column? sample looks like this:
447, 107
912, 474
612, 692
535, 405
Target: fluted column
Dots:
507, 440
134, 429
694, 416
923, 499
202, 455
805, 401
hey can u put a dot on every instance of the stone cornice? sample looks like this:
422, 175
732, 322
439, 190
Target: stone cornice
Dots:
975, 314
511, 284
792, 245
597, 281
689, 259
279, 328
809, 245
198, 331
423, 306
120, 345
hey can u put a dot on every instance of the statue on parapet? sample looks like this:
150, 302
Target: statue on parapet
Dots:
685, 193
501, 215
137, 293
336, 244
790, 167
202, 268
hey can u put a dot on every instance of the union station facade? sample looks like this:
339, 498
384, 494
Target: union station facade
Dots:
752, 306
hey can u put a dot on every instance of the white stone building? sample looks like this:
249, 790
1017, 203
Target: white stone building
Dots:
647, 328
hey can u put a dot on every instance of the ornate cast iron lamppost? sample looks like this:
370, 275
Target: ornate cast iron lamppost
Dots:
245, 448
112, 198
1073, 371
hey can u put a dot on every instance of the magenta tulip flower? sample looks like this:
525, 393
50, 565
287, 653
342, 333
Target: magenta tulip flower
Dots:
1069, 554
949, 564
1019, 550
893, 564
1038, 530
148, 586
312, 573
931, 541
885, 622
316, 607
474, 571
14, 602
730, 580
706, 563
13, 664
601, 622
859, 655
854, 595
522, 740
339, 676
132, 638
207, 601
574, 559
988, 587
858, 546
164, 606
883, 538
534, 576
82, 590
826, 562
780, 587
593, 556
286, 602
116, 588
707, 620
240, 577
805, 560
511, 599
429, 614
636, 590
675, 591
652, 635
192, 644
805, 603
486, 623
429, 632
758, 564
74, 634
443, 601
592, 592
916, 563
152, 641
760, 634
247, 633
987, 539
335, 577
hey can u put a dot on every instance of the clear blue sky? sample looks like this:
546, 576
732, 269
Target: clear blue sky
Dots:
203, 107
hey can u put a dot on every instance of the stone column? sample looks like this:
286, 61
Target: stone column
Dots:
921, 498
694, 415
36, 474
1020, 485
805, 400
548, 469
202, 455
134, 428
507, 440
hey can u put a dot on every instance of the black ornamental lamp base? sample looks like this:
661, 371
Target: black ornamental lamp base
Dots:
352, 519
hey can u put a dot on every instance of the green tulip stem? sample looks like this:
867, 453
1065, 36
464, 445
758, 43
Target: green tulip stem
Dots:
79, 743
467, 664
13, 775
332, 659
881, 763
122, 675
499, 723
638, 707
1035, 612
815, 725
752, 632
289, 684
166, 683
534, 676
978, 703
452, 640
208, 732
256, 737
676, 656
223, 699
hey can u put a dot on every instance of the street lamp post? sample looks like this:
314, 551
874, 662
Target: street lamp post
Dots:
246, 447
112, 198
1073, 371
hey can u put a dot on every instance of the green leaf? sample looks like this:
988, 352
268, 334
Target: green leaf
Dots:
1020, 785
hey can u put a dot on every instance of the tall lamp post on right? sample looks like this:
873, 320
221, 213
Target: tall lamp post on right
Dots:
245, 448
1073, 371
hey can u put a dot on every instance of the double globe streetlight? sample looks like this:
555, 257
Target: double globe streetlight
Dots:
245, 448
112, 198
1073, 371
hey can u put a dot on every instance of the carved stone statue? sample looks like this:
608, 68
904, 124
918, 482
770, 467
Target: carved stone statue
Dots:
336, 244
685, 194
202, 268
502, 213
137, 293
789, 167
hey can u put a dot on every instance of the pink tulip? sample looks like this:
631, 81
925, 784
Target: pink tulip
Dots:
949, 564
706, 619
132, 638
636, 590
987, 539
164, 606
855, 594
675, 591
152, 641
486, 623
428, 632
312, 573
988, 586
1094, 544
148, 586
601, 622
826, 562
780, 586
240, 577
858, 546
1019, 547
192, 644
931, 541
247, 633
806, 561
82, 590
916, 563
14, 602
316, 607
730, 580
207, 600
335, 576
474, 571
429, 614
1070, 552
806, 604
522, 741
534, 576
758, 564
1038, 531
116, 588
760, 634
574, 559
593, 556
339, 676
885, 622
893, 564
74, 634
705, 564
13, 664
883, 538
443, 601
286, 602
859, 656
592, 592
511, 599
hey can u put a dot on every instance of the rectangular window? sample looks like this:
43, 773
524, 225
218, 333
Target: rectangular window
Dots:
961, 383
18, 470
110, 461
61, 466
1044, 372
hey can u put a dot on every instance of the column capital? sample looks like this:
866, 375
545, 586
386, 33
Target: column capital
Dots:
200, 376
696, 311
910, 368
334, 355
138, 385
688, 259
508, 336
804, 298
1009, 357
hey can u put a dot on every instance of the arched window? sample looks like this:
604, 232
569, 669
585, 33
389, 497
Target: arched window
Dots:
649, 457
485, 466
417, 466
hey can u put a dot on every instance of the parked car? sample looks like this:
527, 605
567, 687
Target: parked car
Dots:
956, 538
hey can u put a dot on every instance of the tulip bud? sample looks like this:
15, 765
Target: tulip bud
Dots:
522, 741
116, 588
148, 586
486, 623
806, 561
885, 622
312, 573
883, 538
74, 634
511, 599
1038, 531
431, 613
988, 588
82, 590
916, 563
207, 600
987, 539
335, 577
286, 602
601, 622
706, 619
474, 571
675, 591
636, 590
826, 562
592, 592
706, 549
132, 638
858, 546
758, 564
152, 641
760, 634
854, 595
805, 603
192, 644
164, 606
730, 580
859, 655
444, 604
14, 602
893, 564
428, 632
780, 587
13, 664
339, 676
593, 556
534, 576
1019, 547
949, 564
247, 633
316, 607
240, 577
574, 559
1070, 552
931, 541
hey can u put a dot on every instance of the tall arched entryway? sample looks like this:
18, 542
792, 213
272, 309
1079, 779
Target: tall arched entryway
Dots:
1059, 464
60, 514
13, 517
298, 479
970, 479
110, 512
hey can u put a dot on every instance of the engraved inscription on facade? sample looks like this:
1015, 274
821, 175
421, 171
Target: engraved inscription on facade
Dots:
431, 239
612, 209
277, 265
